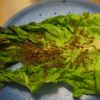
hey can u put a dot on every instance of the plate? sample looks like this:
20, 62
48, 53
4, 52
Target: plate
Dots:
52, 8
38, 13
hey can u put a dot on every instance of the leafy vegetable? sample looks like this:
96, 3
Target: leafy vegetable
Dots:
60, 49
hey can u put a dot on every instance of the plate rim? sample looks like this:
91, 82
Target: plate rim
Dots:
40, 4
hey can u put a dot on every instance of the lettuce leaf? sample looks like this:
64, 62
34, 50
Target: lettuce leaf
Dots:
60, 49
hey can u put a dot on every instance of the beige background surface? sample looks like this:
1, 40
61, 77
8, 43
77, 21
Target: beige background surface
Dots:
9, 7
